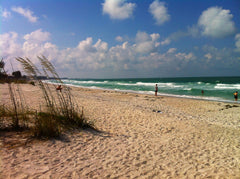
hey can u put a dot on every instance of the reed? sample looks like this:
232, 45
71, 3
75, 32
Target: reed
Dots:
13, 97
61, 112
61, 108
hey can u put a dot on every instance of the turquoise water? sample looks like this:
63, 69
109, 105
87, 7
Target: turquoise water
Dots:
215, 88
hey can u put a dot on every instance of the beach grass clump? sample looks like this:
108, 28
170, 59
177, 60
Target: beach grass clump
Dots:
61, 109
60, 112
46, 125
8, 118
19, 108
3, 113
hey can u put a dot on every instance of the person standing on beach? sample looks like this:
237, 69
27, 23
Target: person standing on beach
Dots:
156, 90
235, 95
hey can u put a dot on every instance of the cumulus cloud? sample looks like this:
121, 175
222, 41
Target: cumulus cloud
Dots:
159, 12
101, 46
224, 54
237, 38
37, 36
208, 56
12, 47
9, 44
86, 45
119, 39
216, 22
37, 43
118, 9
172, 50
26, 13
146, 43
167, 41
142, 37
155, 36
184, 56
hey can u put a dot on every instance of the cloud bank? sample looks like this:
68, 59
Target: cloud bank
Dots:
91, 59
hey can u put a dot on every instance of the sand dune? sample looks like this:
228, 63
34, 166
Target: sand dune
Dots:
140, 136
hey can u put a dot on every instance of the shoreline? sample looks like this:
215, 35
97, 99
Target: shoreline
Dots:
188, 139
159, 94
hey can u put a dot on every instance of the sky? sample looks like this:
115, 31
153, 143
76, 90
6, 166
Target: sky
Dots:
124, 38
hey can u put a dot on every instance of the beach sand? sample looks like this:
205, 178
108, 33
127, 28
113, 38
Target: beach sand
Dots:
140, 136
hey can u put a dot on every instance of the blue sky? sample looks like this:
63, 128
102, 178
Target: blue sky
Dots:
124, 38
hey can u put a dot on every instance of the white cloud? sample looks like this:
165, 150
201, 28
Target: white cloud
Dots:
218, 54
216, 22
5, 13
184, 56
121, 53
31, 47
86, 45
159, 12
142, 37
119, 39
26, 13
9, 45
125, 45
171, 50
101, 46
118, 9
166, 42
145, 47
37, 36
146, 43
208, 56
237, 38
155, 36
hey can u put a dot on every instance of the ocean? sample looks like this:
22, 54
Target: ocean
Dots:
215, 88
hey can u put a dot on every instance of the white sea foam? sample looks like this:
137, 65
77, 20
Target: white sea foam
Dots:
150, 84
145, 84
227, 86
165, 84
127, 84
84, 82
199, 98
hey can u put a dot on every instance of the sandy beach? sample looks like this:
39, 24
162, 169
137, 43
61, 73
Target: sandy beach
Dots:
140, 136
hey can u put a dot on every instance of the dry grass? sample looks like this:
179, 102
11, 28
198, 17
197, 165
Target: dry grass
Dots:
61, 110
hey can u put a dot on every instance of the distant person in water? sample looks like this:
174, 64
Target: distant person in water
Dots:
235, 95
202, 92
156, 89
59, 88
